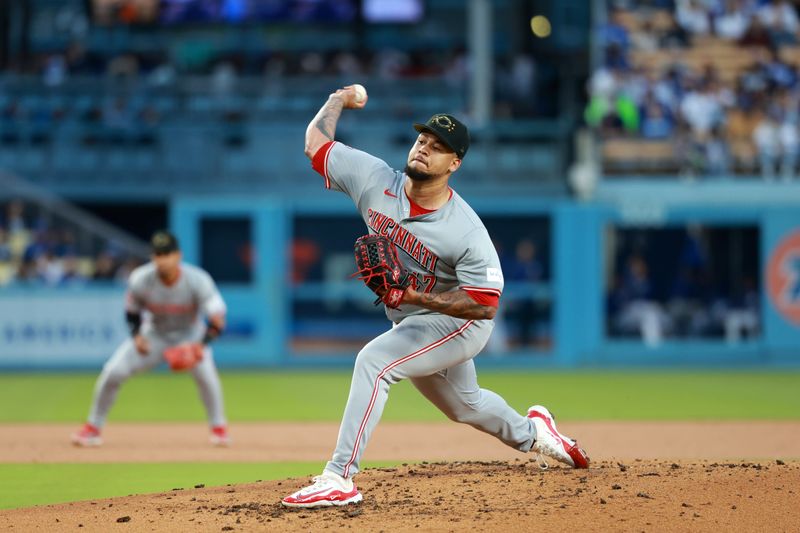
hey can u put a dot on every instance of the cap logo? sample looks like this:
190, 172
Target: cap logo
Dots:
161, 240
443, 121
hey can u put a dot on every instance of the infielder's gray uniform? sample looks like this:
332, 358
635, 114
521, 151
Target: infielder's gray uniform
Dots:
446, 249
172, 315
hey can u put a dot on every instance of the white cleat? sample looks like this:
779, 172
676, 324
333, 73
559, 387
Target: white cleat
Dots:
549, 442
88, 436
328, 489
219, 437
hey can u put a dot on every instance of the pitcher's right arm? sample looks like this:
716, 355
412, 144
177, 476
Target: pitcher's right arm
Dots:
322, 128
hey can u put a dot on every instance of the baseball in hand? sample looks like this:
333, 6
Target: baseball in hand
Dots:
361, 93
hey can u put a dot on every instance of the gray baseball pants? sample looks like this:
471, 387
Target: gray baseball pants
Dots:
126, 362
435, 352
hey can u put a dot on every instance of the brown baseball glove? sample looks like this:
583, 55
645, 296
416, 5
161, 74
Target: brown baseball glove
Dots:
380, 268
184, 356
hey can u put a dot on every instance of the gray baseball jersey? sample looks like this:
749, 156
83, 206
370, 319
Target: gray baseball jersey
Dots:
445, 249
174, 311
173, 314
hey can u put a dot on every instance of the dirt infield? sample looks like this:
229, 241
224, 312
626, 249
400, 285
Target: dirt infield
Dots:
489, 496
742, 476
314, 441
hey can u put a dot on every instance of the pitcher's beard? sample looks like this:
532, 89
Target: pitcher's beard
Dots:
417, 175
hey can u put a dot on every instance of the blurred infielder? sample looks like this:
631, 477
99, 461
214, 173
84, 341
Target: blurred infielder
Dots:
166, 303
441, 301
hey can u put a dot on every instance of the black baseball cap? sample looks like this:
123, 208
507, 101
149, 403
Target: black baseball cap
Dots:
163, 242
451, 131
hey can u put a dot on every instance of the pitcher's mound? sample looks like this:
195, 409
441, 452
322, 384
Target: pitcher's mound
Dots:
457, 496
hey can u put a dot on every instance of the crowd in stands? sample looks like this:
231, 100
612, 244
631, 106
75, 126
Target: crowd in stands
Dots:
137, 69
141, 93
159, 69
34, 252
717, 81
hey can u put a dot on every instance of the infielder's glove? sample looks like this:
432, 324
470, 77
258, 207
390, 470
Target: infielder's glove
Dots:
379, 267
184, 356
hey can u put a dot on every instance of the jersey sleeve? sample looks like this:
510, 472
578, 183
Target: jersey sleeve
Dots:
347, 169
478, 270
208, 295
134, 301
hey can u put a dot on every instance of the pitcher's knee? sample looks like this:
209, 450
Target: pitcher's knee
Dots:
374, 364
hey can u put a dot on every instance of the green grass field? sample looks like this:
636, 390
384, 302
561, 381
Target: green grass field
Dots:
285, 396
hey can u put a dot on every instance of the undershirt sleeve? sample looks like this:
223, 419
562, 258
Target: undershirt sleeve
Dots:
483, 298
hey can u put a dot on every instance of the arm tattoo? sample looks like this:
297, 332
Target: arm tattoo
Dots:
328, 117
456, 303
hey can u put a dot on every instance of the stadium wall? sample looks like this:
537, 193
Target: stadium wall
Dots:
57, 329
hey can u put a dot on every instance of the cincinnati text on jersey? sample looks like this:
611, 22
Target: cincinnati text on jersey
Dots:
402, 238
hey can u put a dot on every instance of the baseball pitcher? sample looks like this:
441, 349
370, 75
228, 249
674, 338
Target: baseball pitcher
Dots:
430, 261
166, 303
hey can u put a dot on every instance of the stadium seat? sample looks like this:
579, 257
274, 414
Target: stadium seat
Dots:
631, 155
